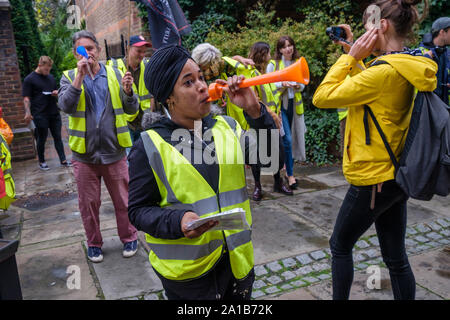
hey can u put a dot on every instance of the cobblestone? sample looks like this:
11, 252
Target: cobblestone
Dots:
445, 233
289, 262
311, 279
362, 244
422, 228
274, 279
434, 226
298, 283
258, 284
304, 259
260, 271
359, 257
274, 266
361, 266
410, 242
423, 247
434, 236
374, 241
318, 255
257, 294
272, 290
324, 276
288, 275
321, 266
443, 223
411, 231
372, 253
444, 241
421, 239
286, 287
304, 270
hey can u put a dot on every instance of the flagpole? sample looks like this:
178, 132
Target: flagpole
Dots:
129, 31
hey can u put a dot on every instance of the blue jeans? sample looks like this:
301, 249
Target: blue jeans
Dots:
354, 218
286, 116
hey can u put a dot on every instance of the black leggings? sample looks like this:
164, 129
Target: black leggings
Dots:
256, 168
52, 122
355, 217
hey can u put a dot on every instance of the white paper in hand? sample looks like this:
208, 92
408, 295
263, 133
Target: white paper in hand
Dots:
233, 219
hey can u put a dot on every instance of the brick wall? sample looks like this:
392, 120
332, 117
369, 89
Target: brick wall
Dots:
108, 19
11, 100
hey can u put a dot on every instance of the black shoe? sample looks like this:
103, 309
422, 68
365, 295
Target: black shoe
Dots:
257, 193
280, 187
294, 186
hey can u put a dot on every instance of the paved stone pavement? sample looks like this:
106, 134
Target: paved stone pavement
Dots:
290, 237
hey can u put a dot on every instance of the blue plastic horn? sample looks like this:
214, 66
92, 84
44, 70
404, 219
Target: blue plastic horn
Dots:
82, 51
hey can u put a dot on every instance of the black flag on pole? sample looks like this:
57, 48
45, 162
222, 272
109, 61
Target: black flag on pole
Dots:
166, 21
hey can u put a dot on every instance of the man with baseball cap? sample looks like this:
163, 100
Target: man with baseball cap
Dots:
137, 65
438, 51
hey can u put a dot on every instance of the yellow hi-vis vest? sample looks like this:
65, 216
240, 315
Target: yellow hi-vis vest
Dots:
10, 188
182, 259
266, 93
77, 121
144, 95
233, 110
298, 100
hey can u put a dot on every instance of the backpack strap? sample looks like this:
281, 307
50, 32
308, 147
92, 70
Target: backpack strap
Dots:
367, 112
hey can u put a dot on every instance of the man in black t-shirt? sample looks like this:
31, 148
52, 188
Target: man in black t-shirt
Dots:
39, 97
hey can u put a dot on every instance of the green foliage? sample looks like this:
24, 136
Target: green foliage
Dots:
322, 136
58, 43
28, 43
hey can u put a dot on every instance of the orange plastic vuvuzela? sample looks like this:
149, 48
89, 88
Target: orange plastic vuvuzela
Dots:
298, 72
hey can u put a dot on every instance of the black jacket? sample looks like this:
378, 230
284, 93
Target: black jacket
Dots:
144, 196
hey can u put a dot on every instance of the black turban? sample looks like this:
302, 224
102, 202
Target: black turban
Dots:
163, 70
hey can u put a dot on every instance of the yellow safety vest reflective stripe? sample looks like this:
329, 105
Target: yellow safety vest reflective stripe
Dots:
233, 110
298, 100
182, 259
10, 187
266, 93
77, 120
144, 95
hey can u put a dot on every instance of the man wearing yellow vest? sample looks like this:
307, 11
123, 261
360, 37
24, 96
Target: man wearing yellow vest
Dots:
96, 98
137, 63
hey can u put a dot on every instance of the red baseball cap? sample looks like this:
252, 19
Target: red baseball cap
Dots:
139, 41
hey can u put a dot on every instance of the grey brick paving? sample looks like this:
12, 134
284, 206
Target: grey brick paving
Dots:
410, 242
433, 244
289, 262
260, 271
321, 266
304, 259
423, 228
372, 253
359, 257
434, 236
361, 266
274, 279
311, 279
423, 247
318, 255
258, 284
298, 283
434, 226
286, 287
362, 244
274, 266
421, 239
411, 231
443, 223
272, 290
374, 241
444, 241
304, 270
445, 233
288, 275
324, 276
257, 294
